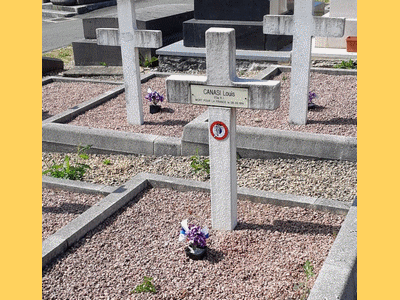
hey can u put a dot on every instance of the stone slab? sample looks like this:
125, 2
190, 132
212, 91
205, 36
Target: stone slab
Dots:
76, 186
249, 34
50, 64
239, 10
178, 49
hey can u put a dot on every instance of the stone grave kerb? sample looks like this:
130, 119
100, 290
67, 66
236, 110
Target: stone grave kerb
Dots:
223, 92
130, 39
303, 26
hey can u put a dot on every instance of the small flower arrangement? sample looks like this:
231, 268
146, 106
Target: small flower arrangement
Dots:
154, 97
197, 239
311, 96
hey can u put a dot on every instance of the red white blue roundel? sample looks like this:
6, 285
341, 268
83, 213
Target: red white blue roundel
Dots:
218, 130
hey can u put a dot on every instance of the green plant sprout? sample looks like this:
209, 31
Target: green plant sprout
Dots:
308, 269
107, 162
82, 151
146, 286
146, 63
104, 64
346, 65
68, 171
199, 164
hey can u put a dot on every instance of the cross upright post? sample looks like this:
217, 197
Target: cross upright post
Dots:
303, 26
223, 92
130, 39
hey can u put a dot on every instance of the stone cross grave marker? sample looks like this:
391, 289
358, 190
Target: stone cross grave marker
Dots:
223, 92
303, 26
130, 39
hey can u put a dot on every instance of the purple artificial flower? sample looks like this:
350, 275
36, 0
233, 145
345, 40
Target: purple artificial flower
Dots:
196, 236
154, 97
311, 96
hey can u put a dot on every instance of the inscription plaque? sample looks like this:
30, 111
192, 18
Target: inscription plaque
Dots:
219, 96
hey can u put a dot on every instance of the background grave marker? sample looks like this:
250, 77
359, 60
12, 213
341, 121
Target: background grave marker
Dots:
130, 39
226, 91
303, 26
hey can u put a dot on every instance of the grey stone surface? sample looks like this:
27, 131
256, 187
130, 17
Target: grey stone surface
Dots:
100, 139
167, 146
77, 228
51, 64
76, 186
338, 277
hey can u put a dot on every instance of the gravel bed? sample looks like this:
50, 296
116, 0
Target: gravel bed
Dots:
60, 207
59, 96
336, 111
262, 258
314, 178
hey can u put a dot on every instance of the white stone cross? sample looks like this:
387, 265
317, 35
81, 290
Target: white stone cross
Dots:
130, 39
303, 26
223, 92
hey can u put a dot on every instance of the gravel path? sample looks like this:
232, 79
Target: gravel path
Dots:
60, 207
315, 178
59, 96
336, 111
262, 259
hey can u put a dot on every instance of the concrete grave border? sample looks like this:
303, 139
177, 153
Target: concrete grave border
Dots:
252, 142
336, 280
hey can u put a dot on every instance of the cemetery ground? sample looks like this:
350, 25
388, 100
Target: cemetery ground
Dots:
262, 258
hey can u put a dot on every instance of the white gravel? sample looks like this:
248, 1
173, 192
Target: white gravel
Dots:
336, 111
262, 259
314, 178
60, 207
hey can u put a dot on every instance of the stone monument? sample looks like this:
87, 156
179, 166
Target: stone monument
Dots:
245, 16
223, 92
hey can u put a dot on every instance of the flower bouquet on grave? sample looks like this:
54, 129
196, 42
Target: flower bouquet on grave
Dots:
311, 96
196, 236
154, 98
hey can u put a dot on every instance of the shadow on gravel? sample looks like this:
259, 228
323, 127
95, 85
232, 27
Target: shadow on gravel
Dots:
45, 115
66, 208
214, 256
291, 227
335, 121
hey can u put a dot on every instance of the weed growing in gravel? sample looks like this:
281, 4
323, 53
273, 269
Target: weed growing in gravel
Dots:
199, 164
308, 270
346, 65
146, 286
68, 171
107, 162
146, 63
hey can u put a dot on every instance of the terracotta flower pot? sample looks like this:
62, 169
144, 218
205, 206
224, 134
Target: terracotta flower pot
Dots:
351, 44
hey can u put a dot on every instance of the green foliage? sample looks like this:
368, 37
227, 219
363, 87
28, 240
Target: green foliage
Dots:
199, 164
82, 151
284, 77
107, 162
104, 64
66, 170
146, 286
308, 269
148, 63
65, 54
346, 65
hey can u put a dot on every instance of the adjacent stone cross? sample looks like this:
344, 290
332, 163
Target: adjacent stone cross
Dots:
303, 26
130, 39
223, 92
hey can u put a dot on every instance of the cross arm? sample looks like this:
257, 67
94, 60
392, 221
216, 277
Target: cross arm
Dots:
178, 87
279, 25
141, 38
323, 26
329, 27
262, 94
